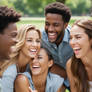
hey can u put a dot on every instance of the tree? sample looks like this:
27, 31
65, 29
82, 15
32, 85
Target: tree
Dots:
91, 8
62, 1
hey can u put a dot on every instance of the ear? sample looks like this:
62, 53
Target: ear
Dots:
65, 25
50, 63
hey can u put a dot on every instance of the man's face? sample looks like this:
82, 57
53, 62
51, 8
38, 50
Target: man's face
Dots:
7, 40
54, 26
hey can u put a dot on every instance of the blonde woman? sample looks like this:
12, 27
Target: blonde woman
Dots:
28, 46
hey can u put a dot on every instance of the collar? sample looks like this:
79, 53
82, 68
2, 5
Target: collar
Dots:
67, 34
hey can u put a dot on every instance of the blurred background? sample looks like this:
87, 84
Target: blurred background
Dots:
33, 10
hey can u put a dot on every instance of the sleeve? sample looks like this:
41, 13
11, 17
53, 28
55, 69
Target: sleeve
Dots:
54, 82
58, 83
8, 79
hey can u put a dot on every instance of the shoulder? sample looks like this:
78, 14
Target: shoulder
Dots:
56, 78
54, 82
21, 83
68, 66
11, 70
21, 78
69, 72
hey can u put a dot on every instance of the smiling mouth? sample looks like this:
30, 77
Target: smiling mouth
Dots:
34, 51
52, 35
35, 66
76, 51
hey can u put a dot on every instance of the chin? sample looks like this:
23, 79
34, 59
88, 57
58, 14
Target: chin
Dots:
52, 41
77, 56
35, 74
32, 56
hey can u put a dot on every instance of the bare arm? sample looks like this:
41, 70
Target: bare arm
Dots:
22, 84
70, 76
58, 70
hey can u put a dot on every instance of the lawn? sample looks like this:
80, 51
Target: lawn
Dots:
39, 22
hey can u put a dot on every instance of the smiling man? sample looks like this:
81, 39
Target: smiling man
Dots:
56, 36
8, 33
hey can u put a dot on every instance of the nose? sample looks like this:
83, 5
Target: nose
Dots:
50, 28
34, 43
72, 42
35, 60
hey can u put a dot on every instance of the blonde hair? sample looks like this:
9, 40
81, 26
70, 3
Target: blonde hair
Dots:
21, 40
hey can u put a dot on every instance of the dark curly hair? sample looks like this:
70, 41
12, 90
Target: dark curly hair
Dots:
7, 15
59, 8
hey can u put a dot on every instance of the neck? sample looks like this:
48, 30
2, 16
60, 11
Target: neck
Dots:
40, 81
59, 39
22, 62
87, 60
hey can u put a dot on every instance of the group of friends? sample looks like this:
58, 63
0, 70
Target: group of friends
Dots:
50, 60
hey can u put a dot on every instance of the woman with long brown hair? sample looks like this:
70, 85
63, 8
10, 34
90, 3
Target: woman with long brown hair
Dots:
79, 67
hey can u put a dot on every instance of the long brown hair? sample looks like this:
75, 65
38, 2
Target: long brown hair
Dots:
77, 67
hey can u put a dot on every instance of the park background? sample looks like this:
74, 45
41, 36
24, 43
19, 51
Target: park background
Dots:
33, 10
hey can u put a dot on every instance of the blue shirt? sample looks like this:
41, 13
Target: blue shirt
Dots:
53, 82
8, 78
63, 52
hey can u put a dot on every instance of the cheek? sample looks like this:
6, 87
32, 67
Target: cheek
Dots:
70, 43
39, 45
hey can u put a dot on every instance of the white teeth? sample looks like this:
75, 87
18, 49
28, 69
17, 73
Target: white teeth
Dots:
76, 48
33, 50
52, 34
35, 66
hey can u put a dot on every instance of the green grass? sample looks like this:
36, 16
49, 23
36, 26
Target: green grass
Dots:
39, 22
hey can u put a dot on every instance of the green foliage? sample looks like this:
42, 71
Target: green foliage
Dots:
79, 7
36, 7
62, 1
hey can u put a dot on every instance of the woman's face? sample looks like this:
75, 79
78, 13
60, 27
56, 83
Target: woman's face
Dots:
41, 63
32, 44
80, 42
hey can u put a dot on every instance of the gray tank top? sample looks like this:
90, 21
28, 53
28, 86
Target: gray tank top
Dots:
53, 83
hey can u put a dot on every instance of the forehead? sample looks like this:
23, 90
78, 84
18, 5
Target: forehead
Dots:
32, 33
42, 52
77, 30
53, 17
10, 28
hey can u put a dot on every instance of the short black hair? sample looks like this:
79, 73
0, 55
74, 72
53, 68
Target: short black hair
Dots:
59, 8
7, 15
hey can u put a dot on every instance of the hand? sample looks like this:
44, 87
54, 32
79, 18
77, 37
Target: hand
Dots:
30, 90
